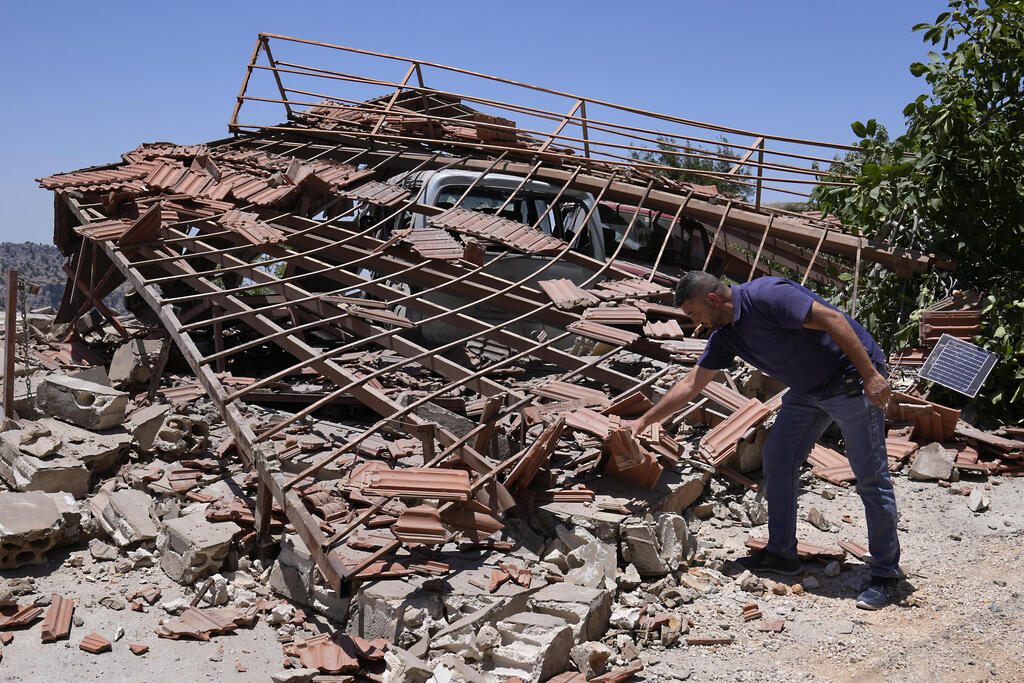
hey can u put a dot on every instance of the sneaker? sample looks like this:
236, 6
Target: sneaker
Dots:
767, 561
879, 593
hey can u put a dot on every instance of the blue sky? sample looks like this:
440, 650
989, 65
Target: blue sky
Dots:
84, 82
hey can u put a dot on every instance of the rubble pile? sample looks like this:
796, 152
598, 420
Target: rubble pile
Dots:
588, 566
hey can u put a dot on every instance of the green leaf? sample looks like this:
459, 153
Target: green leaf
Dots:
918, 69
858, 129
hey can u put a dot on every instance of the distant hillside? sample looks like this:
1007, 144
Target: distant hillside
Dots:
41, 264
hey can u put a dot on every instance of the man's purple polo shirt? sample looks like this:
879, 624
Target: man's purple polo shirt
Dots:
767, 331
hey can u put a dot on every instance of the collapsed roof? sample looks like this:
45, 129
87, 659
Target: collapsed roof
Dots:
287, 235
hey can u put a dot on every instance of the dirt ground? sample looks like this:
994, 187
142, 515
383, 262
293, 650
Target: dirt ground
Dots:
959, 619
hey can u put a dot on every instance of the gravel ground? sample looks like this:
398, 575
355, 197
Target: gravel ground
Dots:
959, 618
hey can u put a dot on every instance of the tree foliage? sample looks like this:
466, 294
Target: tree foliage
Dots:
953, 185
695, 167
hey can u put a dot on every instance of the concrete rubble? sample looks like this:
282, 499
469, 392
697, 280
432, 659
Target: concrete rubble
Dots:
80, 402
583, 585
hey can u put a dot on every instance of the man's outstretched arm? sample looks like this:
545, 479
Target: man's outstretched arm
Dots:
674, 400
876, 388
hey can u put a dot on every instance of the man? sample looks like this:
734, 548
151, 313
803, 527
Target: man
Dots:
833, 369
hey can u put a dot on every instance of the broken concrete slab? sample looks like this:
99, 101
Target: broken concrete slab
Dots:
586, 610
534, 647
931, 463
100, 452
32, 523
127, 516
591, 658
588, 519
593, 565
657, 545
145, 423
192, 548
86, 404
136, 362
24, 472
37, 440
977, 501
295, 576
674, 492
181, 435
395, 610
101, 551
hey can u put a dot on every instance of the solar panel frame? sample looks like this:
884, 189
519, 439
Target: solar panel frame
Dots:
958, 365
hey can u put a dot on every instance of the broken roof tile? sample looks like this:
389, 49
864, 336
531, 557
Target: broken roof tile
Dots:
94, 643
803, 550
248, 225
434, 243
420, 482
325, 652
619, 675
564, 391
420, 524
615, 315
536, 456
196, 623
720, 442
370, 650
380, 194
669, 329
629, 407
16, 616
605, 333
566, 295
518, 236
57, 622
612, 290
629, 461
100, 178
585, 420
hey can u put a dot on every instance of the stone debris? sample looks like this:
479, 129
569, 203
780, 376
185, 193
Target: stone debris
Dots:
657, 546
80, 402
977, 501
181, 435
135, 363
32, 523
192, 547
534, 646
591, 658
932, 462
126, 515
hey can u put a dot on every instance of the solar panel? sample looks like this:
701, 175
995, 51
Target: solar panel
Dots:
959, 365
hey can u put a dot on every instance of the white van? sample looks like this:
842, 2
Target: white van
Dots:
597, 240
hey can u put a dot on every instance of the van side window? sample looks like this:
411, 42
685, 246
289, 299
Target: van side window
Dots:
686, 247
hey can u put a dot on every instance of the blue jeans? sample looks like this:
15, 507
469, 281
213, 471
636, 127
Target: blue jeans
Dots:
800, 423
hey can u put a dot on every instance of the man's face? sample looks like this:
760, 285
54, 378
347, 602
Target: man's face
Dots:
707, 310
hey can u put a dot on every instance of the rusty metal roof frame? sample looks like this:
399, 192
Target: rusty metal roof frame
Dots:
411, 116
221, 215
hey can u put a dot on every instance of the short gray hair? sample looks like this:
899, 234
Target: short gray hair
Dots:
695, 283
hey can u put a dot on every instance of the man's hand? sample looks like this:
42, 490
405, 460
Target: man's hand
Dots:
876, 388
634, 426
